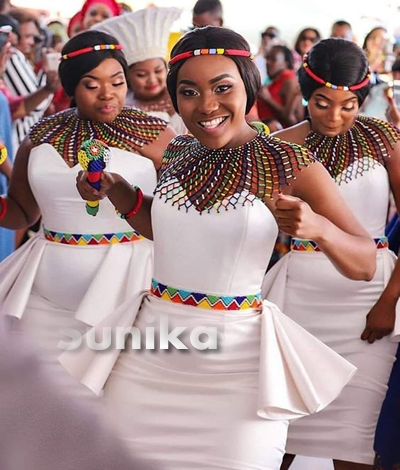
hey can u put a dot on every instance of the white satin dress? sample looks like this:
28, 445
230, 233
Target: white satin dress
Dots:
227, 408
333, 308
69, 275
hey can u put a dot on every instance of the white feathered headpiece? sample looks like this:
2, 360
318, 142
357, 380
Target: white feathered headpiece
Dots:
143, 34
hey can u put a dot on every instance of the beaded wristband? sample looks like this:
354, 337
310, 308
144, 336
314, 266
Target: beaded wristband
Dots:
136, 207
3, 210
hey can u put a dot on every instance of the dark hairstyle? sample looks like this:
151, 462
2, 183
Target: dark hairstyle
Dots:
269, 31
337, 61
287, 54
302, 35
213, 37
71, 70
23, 16
341, 23
367, 37
9, 20
207, 6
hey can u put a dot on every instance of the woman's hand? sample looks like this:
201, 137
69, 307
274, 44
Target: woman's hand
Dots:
108, 180
296, 218
380, 320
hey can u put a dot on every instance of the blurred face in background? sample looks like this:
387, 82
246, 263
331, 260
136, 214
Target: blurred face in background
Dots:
148, 78
27, 34
307, 40
207, 19
96, 14
342, 31
270, 37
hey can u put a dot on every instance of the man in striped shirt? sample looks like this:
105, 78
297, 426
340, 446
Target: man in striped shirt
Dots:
20, 76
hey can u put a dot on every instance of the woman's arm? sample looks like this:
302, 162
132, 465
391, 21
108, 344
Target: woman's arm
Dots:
382, 316
22, 209
123, 196
315, 210
284, 112
6, 168
155, 150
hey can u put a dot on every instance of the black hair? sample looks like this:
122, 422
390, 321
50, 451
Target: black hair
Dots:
214, 37
71, 70
207, 6
341, 23
287, 54
267, 32
10, 21
302, 35
396, 66
337, 61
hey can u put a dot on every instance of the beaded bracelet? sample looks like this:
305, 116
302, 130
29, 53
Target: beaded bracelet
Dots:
3, 210
137, 206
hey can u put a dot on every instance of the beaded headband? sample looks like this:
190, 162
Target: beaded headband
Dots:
85, 50
197, 52
315, 77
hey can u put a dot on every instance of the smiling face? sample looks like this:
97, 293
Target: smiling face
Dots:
211, 99
148, 78
332, 112
100, 94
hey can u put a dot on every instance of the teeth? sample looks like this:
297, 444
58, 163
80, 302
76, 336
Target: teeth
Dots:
213, 123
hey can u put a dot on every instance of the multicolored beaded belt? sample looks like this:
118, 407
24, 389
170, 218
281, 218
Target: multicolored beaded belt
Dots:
309, 245
209, 301
85, 239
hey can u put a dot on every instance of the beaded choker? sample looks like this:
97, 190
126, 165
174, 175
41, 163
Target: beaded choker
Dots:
320, 80
85, 50
343, 154
65, 131
194, 175
219, 51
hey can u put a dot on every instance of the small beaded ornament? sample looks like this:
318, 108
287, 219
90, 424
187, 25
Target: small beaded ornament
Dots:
218, 51
320, 80
194, 175
86, 50
347, 156
93, 158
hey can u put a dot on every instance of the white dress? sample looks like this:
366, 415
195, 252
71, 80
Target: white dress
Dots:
78, 268
333, 308
211, 409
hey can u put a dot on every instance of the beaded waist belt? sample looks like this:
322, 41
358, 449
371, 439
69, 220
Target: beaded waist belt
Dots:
195, 299
309, 245
85, 239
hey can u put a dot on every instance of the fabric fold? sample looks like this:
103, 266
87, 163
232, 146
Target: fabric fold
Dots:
298, 375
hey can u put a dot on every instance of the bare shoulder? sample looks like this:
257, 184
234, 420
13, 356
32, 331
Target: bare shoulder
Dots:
295, 134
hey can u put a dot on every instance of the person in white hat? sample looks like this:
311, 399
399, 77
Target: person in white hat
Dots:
144, 36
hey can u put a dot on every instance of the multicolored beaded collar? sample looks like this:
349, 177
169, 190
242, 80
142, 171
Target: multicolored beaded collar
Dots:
194, 175
320, 80
66, 132
343, 154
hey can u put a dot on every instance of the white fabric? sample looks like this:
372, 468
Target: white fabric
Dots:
49, 285
333, 308
204, 409
143, 34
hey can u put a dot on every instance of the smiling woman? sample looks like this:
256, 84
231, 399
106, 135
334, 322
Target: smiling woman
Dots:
230, 407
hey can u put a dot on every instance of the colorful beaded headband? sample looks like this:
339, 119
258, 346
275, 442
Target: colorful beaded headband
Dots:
355, 87
197, 52
85, 50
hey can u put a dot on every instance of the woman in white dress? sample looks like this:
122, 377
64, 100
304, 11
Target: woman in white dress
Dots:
214, 220
362, 156
79, 267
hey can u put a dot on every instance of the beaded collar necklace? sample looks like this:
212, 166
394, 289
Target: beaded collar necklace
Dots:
65, 131
343, 154
194, 175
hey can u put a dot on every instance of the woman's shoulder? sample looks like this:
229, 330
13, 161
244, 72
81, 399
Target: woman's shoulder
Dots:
295, 134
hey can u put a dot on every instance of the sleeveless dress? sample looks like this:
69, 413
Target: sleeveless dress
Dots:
333, 308
224, 408
78, 268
